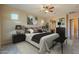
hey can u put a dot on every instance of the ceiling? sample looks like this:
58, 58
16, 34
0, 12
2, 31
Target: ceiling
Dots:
59, 9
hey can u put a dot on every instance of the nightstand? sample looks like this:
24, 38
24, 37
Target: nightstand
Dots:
18, 38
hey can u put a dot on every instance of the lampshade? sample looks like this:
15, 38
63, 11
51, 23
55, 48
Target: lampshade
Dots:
18, 27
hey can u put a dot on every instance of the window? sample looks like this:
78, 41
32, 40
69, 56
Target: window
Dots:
14, 16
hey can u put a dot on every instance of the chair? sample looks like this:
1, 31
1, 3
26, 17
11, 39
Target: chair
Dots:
61, 38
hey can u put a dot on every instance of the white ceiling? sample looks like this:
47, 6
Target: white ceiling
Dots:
59, 9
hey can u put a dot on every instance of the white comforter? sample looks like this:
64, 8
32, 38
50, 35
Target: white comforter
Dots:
45, 42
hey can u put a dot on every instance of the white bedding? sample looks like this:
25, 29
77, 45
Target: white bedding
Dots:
29, 37
45, 41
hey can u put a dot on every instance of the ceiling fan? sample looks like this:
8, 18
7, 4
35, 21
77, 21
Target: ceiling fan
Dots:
48, 8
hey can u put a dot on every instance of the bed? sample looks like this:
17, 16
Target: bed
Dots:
43, 41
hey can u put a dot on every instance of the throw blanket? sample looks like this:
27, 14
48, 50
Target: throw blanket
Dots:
36, 38
46, 42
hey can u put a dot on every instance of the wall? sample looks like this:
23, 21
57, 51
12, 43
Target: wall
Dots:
0, 31
0, 24
74, 27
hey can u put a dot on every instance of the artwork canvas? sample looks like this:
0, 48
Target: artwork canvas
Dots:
31, 20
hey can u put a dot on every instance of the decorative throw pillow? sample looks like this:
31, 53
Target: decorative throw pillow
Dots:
30, 30
40, 30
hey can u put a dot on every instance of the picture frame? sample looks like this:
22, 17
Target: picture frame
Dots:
62, 20
31, 20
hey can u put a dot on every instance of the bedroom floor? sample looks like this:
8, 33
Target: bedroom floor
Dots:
26, 48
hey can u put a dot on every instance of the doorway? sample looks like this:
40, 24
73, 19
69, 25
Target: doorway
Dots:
74, 28
71, 28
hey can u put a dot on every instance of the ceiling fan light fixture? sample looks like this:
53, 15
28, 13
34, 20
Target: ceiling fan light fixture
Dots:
47, 8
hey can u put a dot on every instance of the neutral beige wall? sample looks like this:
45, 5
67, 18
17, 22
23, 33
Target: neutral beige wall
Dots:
9, 25
74, 26
0, 24
0, 31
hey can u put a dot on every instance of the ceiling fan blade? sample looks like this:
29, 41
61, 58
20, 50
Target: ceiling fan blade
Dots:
48, 7
51, 7
50, 10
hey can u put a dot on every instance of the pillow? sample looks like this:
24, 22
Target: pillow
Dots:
27, 31
19, 31
30, 30
40, 30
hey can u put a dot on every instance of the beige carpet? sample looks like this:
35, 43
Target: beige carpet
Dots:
26, 48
